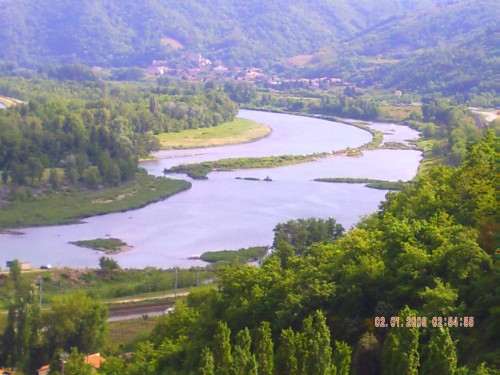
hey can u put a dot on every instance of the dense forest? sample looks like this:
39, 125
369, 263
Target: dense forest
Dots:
96, 131
129, 33
450, 50
318, 304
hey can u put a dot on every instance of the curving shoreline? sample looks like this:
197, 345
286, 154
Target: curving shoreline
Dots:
162, 234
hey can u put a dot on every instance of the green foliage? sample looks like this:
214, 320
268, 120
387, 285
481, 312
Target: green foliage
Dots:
126, 34
264, 349
200, 171
302, 233
245, 362
428, 244
96, 137
286, 362
241, 255
366, 360
76, 321
342, 358
222, 349
103, 244
371, 183
441, 355
207, 363
21, 342
108, 264
315, 351
400, 354
76, 365
68, 205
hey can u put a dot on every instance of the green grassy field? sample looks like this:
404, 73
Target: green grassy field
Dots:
127, 332
237, 131
66, 206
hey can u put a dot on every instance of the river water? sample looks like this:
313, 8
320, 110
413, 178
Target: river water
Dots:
228, 213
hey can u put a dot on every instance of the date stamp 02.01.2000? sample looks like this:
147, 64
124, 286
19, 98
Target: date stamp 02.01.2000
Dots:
424, 322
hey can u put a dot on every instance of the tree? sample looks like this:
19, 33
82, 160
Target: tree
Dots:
91, 177
78, 321
75, 364
317, 352
286, 354
54, 179
244, 362
342, 358
441, 355
367, 355
207, 363
222, 350
400, 354
264, 349
108, 264
21, 341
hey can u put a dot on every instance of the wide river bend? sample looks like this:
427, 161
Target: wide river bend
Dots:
227, 213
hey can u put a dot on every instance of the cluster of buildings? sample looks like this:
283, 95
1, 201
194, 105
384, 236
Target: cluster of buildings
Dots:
196, 67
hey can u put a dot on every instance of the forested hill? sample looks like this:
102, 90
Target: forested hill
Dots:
451, 49
128, 32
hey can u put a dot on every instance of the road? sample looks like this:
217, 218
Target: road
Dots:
128, 309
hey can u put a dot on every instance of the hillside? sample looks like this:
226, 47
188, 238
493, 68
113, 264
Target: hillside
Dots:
128, 32
450, 49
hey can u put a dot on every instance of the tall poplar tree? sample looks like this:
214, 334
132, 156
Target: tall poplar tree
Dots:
264, 349
222, 350
286, 355
244, 362
317, 352
400, 354
441, 354
342, 358
207, 363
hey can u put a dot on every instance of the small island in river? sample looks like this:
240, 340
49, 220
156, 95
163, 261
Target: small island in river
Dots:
106, 245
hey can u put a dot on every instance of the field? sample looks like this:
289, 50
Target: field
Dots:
71, 204
236, 131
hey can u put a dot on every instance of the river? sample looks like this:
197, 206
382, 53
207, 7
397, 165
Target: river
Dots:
228, 213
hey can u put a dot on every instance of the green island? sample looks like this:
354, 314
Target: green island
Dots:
241, 256
72, 204
106, 245
232, 132
199, 171
371, 183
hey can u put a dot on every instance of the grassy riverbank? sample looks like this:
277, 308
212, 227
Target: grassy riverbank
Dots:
233, 132
199, 171
371, 183
68, 205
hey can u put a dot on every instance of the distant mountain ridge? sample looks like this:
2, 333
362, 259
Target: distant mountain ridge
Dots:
129, 32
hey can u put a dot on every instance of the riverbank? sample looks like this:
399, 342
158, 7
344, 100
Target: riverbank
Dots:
370, 183
70, 205
234, 132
